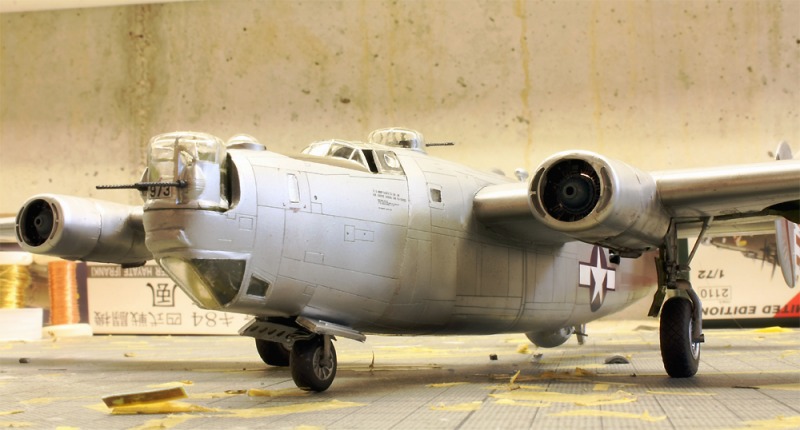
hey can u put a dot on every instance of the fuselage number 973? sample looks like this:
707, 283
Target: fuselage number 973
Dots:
160, 192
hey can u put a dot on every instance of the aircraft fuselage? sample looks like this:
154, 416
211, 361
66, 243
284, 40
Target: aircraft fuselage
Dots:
395, 250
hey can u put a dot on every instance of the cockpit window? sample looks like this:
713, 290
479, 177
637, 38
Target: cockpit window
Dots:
372, 160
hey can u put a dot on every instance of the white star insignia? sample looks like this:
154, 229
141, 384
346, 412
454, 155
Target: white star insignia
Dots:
598, 277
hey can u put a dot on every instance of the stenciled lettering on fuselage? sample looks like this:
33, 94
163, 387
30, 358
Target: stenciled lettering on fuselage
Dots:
597, 277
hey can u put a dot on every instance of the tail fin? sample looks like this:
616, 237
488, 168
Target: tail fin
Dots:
787, 235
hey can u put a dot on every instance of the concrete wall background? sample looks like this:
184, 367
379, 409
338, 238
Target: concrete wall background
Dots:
661, 85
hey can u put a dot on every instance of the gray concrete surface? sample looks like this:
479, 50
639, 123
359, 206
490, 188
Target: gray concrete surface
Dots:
748, 379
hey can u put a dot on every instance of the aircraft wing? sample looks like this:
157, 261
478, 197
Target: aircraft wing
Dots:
7, 230
580, 195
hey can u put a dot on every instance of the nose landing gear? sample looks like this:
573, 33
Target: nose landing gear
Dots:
304, 345
313, 363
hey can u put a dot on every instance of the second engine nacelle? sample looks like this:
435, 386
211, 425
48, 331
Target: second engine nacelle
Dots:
76, 228
596, 199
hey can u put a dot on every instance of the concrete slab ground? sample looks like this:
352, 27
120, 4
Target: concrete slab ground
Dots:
747, 379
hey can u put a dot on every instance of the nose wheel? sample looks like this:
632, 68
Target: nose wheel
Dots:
313, 363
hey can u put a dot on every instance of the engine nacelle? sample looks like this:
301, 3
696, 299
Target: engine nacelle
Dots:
599, 200
76, 228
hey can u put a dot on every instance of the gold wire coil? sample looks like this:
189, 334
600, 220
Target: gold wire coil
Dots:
14, 280
64, 307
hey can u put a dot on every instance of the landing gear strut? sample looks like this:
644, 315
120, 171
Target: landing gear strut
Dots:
681, 324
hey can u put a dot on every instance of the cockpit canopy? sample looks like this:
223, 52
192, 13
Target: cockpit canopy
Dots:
336, 149
354, 155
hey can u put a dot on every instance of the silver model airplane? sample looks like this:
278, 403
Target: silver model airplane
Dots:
350, 238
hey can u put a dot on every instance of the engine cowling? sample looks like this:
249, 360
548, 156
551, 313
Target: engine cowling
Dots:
76, 228
599, 200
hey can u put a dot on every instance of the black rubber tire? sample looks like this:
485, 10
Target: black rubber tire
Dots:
307, 372
273, 353
680, 355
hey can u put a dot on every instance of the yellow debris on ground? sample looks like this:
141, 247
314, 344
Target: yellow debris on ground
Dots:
594, 399
286, 392
143, 397
288, 409
168, 407
679, 393
511, 402
785, 387
645, 416
460, 407
445, 384
779, 422
165, 423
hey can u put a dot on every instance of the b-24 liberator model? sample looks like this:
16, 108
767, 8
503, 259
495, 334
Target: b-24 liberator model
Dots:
348, 239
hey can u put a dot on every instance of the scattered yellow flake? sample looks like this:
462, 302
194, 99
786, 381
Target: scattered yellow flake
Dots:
171, 384
600, 387
578, 399
153, 396
510, 387
511, 402
785, 387
680, 393
645, 416
514, 378
286, 392
229, 393
6, 413
288, 409
523, 349
460, 407
578, 373
165, 423
445, 384
779, 422
775, 329
169, 407
130, 354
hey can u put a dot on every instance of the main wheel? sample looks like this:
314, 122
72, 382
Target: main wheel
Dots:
273, 353
311, 370
680, 355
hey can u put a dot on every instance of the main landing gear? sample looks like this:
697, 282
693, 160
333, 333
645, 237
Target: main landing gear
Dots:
681, 324
302, 344
312, 361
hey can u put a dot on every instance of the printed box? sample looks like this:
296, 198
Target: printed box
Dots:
144, 300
